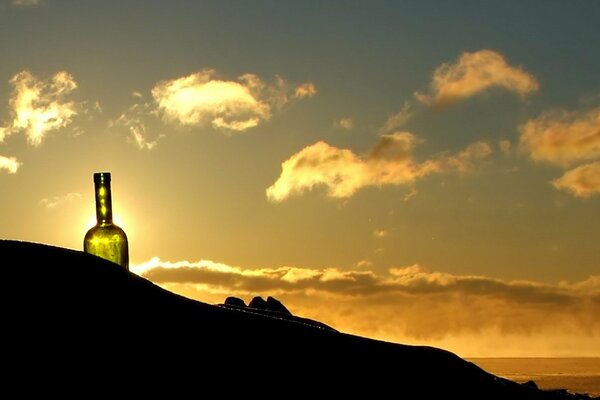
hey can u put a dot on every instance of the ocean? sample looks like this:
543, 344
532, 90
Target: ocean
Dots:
578, 375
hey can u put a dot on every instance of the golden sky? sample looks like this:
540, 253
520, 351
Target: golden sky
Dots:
420, 172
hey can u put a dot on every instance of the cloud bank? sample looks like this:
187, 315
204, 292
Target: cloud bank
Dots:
342, 172
474, 73
411, 304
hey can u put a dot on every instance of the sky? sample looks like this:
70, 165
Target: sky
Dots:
422, 172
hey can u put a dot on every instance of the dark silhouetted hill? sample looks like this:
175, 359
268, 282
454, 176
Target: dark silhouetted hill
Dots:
69, 315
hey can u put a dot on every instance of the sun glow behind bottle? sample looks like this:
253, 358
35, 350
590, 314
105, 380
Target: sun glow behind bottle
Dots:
106, 239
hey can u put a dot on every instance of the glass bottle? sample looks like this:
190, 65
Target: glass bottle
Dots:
106, 239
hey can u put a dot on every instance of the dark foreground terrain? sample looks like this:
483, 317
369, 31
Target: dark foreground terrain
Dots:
75, 318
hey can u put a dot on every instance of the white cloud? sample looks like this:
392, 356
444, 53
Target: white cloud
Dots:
562, 137
389, 162
9, 164
199, 98
39, 106
57, 201
473, 73
582, 181
410, 304
202, 98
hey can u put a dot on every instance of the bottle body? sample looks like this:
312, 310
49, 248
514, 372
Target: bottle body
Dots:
106, 239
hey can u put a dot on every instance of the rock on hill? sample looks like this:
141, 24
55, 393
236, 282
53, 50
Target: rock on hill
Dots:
68, 314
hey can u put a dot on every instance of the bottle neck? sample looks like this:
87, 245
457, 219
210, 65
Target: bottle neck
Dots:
103, 203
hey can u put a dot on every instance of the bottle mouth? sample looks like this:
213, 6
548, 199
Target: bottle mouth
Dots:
102, 177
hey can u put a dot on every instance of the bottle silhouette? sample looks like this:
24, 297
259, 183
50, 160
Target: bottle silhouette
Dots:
106, 239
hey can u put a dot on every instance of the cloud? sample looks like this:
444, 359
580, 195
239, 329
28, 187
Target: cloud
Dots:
389, 162
408, 304
26, 3
582, 181
135, 120
563, 138
57, 201
9, 164
397, 120
202, 98
474, 73
380, 233
412, 193
364, 263
305, 90
38, 106
505, 146
344, 123
464, 160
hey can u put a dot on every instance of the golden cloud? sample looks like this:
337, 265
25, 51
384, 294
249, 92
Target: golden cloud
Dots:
473, 73
563, 138
305, 90
199, 97
202, 98
582, 181
343, 172
38, 106
410, 304
9, 164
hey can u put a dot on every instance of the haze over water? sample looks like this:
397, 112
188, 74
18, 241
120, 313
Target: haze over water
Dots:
578, 375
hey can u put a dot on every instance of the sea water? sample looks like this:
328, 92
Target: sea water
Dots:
578, 375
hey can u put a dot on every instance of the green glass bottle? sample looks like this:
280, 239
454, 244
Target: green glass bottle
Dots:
106, 239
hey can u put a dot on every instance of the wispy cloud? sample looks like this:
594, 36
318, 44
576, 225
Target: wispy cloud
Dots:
406, 304
134, 119
234, 105
582, 181
397, 120
505, 146
380, 233
474, 73
26, 3
38, 106
57, 201
9, 164
562, 137
344, 123
389, 162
